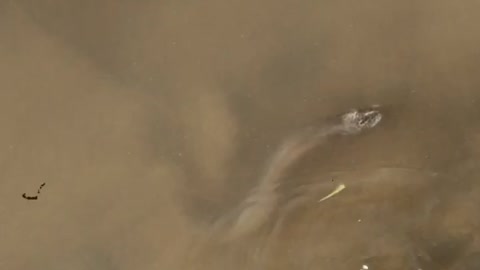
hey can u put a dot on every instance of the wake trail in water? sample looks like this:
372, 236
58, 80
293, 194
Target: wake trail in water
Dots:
257, 208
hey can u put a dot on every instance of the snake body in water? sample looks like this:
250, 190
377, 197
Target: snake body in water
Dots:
258, 206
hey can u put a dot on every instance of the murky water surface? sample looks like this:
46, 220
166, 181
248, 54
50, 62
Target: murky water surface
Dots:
152, 124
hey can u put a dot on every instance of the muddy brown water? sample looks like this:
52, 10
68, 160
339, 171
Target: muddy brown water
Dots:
150, 120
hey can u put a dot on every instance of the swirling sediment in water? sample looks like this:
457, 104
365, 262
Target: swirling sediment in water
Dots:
256, 209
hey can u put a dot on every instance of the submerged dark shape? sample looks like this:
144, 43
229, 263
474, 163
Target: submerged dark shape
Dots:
24, 195
40, 188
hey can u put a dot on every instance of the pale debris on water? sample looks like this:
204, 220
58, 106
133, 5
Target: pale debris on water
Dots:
334, 192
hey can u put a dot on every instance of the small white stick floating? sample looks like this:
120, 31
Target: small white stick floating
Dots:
334, 192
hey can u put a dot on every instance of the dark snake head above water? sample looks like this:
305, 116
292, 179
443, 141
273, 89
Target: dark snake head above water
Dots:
357, 120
